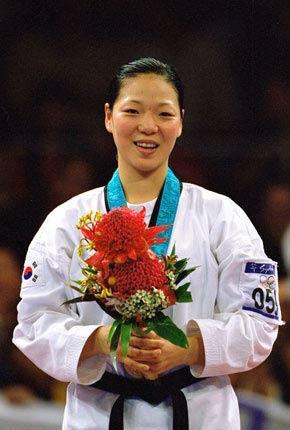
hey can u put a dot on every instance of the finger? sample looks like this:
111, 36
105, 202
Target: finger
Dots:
128, 361
140, 355
150, 335
135, 366
150, 375
156, 368
133, 373
144, 355
146, 343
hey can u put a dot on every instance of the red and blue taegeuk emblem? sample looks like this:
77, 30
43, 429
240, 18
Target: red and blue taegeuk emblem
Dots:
27, 272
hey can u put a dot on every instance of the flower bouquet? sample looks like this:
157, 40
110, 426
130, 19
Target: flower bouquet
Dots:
127, 279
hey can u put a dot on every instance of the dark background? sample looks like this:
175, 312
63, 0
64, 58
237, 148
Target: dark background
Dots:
57, 58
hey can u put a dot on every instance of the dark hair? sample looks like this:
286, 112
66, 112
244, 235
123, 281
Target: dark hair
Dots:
142, 66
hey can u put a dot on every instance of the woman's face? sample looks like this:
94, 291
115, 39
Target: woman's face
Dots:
145, 122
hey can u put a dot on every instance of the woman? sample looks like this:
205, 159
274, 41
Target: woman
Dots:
232, 322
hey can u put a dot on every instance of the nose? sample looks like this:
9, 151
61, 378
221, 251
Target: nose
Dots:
148, 124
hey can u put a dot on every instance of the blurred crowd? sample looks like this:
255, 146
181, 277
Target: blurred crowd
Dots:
57, 61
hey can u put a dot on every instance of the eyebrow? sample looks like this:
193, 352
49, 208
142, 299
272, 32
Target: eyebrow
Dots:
167, 103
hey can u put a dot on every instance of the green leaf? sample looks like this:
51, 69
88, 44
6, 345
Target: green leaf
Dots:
180, 264
79, 290
158, 318
185, 298
184, 274
79, 282
114, 327
182, 295
172, 251
114, 334
75, 300
89, 270
135, 328
180, 290
125, 337
165, 328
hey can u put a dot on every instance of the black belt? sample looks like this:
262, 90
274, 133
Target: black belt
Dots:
152, 392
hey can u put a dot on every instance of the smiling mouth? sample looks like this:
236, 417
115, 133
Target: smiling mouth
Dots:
146, 145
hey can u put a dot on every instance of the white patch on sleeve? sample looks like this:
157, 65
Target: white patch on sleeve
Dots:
259, 285
33, 269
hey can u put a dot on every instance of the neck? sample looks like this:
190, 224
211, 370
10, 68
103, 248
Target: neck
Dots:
140, 187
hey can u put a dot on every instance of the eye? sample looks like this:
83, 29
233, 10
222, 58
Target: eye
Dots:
166, 114
131, 111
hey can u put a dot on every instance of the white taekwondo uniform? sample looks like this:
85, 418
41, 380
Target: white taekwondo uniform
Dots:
235, 304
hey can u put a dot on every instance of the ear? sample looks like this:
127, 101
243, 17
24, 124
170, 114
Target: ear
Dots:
108, 117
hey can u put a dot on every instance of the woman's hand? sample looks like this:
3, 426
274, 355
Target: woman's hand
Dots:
156, 355
148, 355
97, 343
143, 350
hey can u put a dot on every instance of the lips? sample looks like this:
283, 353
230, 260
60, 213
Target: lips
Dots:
146, 145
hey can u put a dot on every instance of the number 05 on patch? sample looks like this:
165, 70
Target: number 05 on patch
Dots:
260, 289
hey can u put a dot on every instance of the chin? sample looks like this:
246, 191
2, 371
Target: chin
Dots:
147, 168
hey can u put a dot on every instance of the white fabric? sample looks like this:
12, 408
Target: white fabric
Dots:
214, 233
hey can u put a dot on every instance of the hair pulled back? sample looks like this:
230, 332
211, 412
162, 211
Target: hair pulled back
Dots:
141, 66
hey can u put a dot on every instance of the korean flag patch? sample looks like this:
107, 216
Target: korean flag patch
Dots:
260, 290
32, 273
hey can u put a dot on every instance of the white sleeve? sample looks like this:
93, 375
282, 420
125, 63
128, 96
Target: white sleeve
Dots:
247, 314
48, 333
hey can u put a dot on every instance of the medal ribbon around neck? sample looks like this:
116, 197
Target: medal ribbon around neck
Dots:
165, 208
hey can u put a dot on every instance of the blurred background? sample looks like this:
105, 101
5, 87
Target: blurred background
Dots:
57, 58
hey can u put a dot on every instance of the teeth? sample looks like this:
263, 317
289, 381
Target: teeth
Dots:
146, 145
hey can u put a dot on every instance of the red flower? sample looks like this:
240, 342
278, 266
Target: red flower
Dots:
120, 235
143, 274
